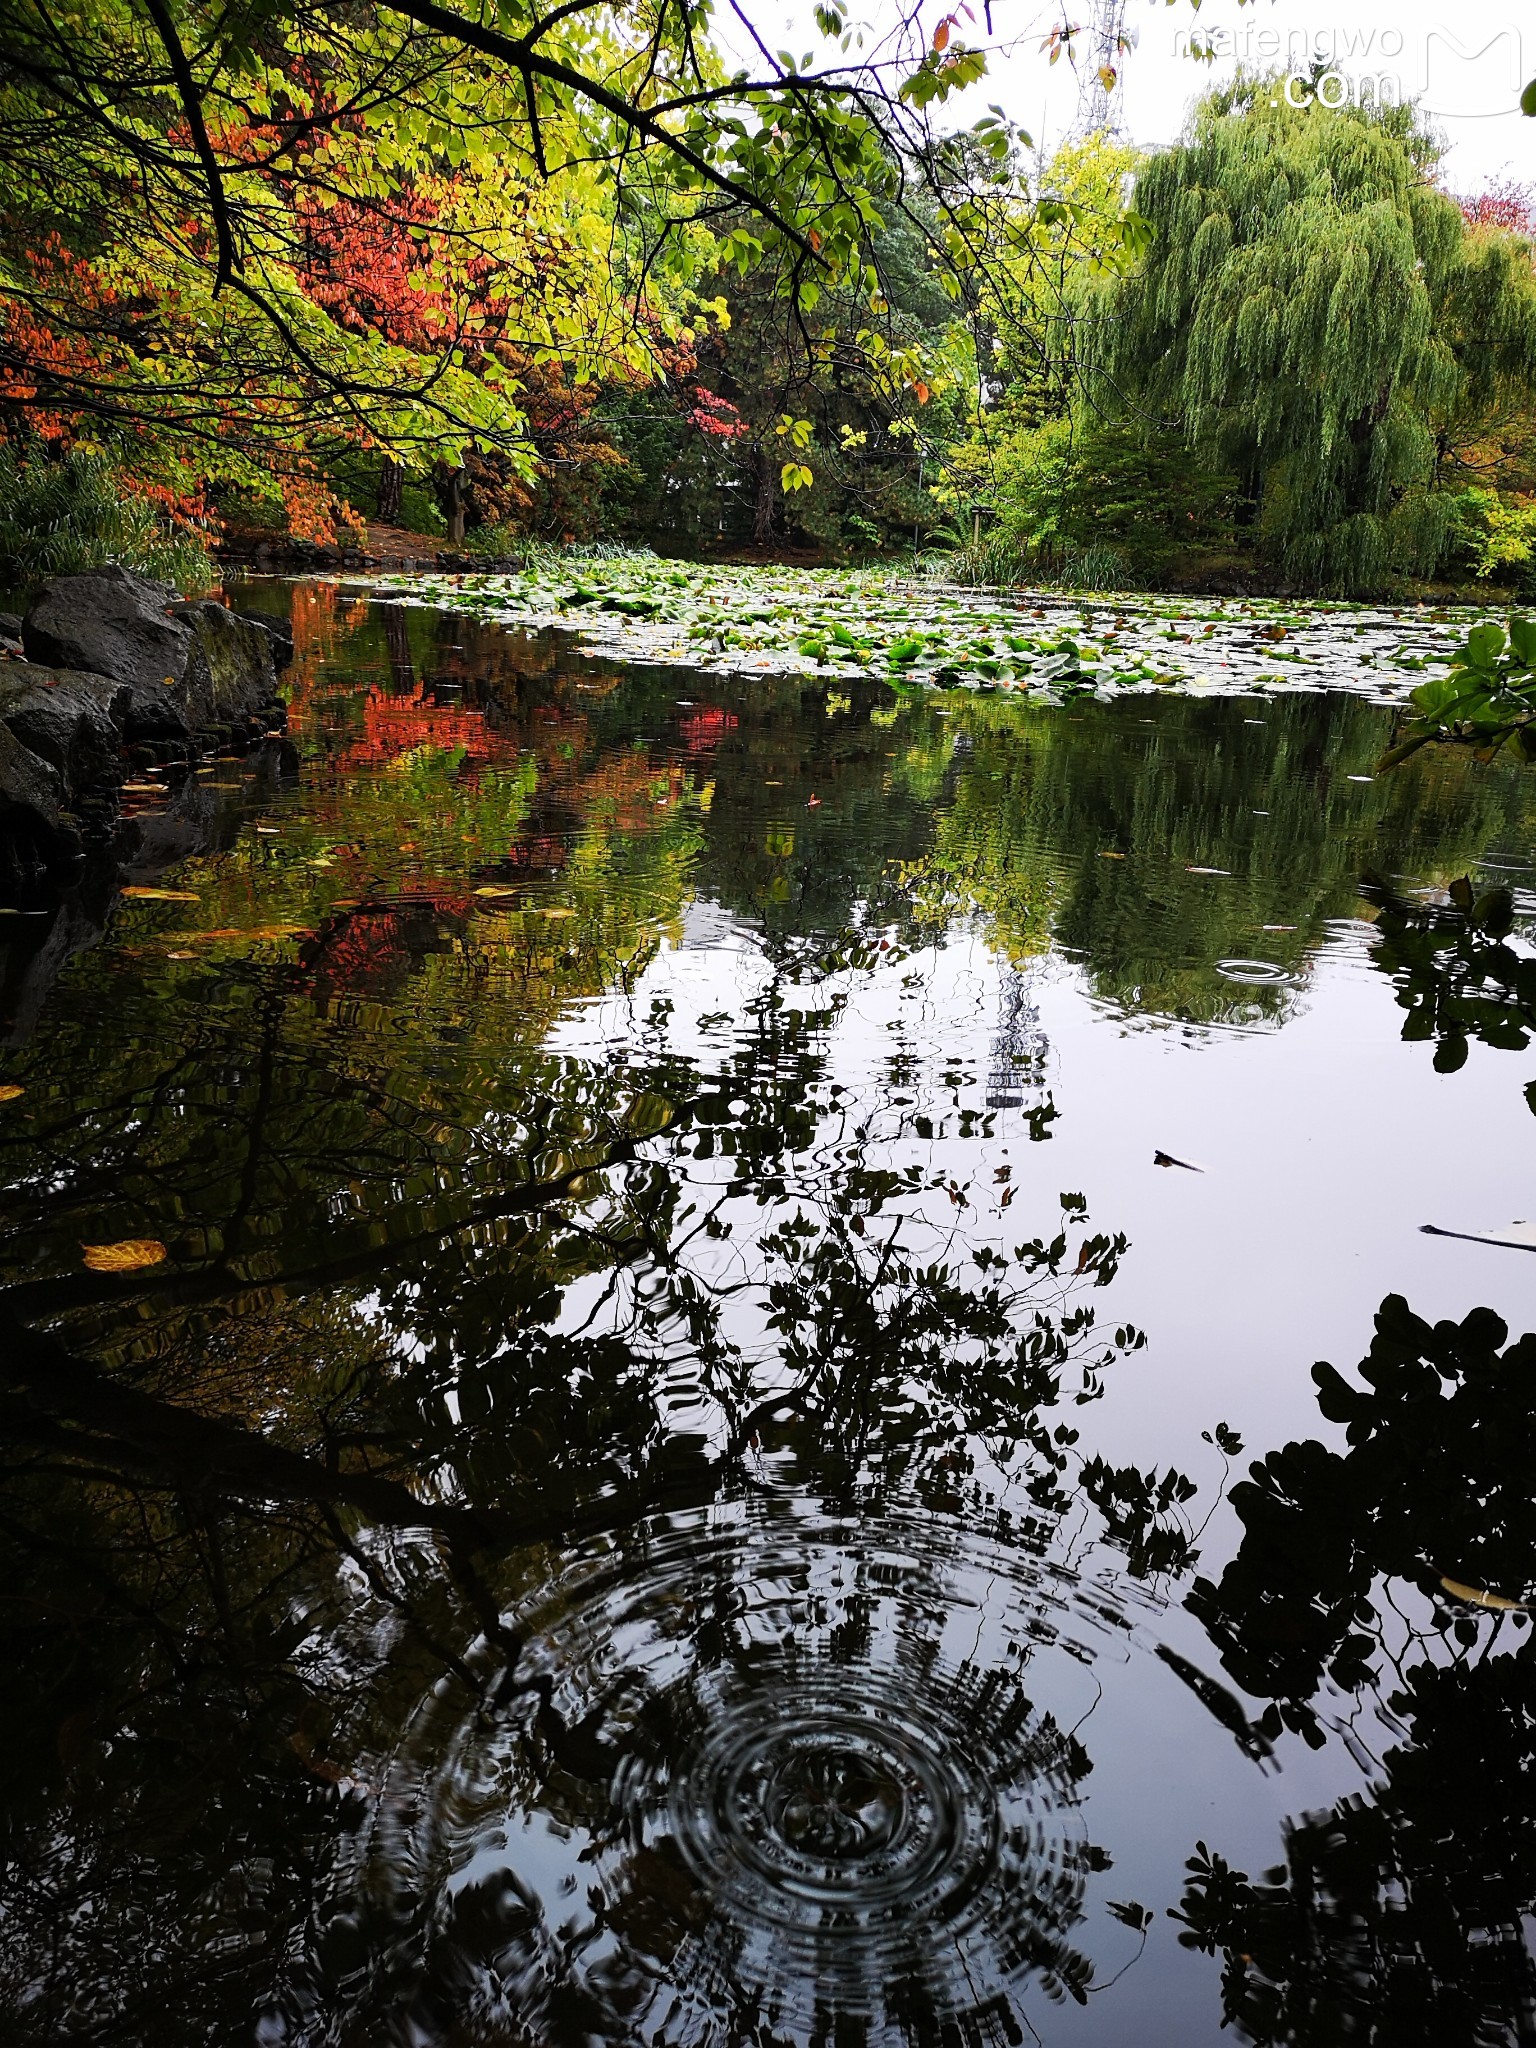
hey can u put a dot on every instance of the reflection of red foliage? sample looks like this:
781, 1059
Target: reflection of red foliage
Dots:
374, 951
701, 731
396, 724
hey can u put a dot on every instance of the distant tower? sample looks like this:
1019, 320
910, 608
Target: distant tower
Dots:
1016, 1070
1099, 52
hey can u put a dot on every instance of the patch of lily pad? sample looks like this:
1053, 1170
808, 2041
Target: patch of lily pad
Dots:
918, 633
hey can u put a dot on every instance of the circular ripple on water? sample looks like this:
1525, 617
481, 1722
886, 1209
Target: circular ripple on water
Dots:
757, 1768
1260, 973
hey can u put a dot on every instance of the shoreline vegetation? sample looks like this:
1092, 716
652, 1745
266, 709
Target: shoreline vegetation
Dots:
1279, 360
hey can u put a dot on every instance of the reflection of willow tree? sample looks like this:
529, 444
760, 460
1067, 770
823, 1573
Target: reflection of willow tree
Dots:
1088, 825
1396, 1567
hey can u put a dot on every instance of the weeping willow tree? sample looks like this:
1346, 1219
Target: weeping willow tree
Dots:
1317, 319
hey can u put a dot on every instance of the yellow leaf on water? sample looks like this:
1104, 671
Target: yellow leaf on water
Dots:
162, 895
249, 931
1479, 1598
556, 910
9, 1091
126, 1256
497, 895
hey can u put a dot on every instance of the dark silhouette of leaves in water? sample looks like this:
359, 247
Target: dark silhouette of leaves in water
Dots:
1457, 975
1397, 1917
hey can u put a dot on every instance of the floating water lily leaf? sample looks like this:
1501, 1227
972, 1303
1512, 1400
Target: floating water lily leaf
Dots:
1479, 1598
128, 1255
893, 624
146, 895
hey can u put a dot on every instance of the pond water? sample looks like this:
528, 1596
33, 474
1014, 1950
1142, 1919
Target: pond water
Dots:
725, 1446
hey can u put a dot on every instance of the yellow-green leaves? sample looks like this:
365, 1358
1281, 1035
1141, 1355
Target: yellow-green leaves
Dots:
128, 1255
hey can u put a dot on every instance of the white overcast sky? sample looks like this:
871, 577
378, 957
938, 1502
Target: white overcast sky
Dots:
1465, 64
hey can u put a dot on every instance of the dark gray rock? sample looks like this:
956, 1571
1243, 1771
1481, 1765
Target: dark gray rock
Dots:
30, 787
154, 716
10, 625
278, 631
230, 672
117, 670
111, 623
191, 667
73, 720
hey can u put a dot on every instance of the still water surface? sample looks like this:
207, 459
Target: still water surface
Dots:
685, 1477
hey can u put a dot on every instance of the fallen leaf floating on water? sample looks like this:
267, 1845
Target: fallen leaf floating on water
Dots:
498, 895
128, 1255
1478, 1598
1167, 1159
1111, 856
145, 895
1513, 1237
10, 1090
1207, 871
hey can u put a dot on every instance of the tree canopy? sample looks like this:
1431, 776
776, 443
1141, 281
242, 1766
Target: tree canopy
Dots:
1315, 317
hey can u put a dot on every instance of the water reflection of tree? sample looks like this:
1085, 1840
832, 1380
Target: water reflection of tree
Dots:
419, 1324
1456, 972
1103, 828
441, 1302
1378, 1592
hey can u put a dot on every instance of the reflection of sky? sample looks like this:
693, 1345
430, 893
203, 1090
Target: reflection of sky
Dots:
1326, 1143
1466, 65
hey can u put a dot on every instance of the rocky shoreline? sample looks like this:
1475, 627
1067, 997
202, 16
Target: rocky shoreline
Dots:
109, 675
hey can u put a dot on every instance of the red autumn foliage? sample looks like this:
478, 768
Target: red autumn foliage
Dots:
716, 416
1504, 205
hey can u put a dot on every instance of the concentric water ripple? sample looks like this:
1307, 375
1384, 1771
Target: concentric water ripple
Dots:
753, 1772
1256, 973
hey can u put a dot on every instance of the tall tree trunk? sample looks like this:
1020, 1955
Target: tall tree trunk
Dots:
762, 517
391, 484
456, 507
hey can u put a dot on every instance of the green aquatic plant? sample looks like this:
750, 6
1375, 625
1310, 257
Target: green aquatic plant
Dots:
1486, 698
918, 632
